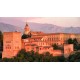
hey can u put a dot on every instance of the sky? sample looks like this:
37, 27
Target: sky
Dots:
60, 21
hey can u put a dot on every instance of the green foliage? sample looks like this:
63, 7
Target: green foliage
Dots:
32, 56
74, 42
7, 60
24, 36
74, 57
1, 36
70, 41
0, 55
55, 46
1, 41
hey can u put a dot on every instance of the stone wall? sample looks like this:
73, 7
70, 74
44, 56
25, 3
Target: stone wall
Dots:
11, 44
68, 49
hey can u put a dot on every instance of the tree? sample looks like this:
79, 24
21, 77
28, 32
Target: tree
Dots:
1, 36
74, 57
21, 56
74, 42
24, 36
55, 46
47, 57
32, 56
1, 41
70, 41
76, 45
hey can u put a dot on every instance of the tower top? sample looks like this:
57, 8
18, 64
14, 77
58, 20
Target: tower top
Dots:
26, 24
26, 29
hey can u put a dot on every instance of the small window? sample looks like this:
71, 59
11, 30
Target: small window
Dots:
6, 47
40, 48
10, 47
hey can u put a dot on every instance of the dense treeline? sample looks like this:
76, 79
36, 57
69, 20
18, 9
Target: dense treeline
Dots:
1, 41
57, 47
75, 43
24, 36
32, 56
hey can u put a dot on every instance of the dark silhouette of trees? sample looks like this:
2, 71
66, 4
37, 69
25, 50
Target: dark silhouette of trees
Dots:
74, 57
74, 42
70, 41
1, 41
55, 46
24, 36
32, 56
45, 57
1, 36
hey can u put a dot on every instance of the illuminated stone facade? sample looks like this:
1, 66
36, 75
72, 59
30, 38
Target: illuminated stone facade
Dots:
68, 49
26, 29
11, 44
39, 42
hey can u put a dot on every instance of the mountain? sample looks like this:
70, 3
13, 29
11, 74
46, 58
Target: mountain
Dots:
9, 28
48, 28
71, 30
17, 25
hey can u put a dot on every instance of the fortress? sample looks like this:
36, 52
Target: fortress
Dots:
37, 41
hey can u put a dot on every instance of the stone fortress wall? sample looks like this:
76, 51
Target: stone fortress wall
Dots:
39, 41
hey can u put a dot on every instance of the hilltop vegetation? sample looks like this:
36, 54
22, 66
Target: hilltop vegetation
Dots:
32, 56
75, 43
1, 41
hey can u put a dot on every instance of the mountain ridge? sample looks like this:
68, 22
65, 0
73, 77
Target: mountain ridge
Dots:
47, 28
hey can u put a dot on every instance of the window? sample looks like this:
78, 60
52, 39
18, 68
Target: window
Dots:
40, 48
16, 47
32, 48
41, 43
8, 47
28, 48
8, 41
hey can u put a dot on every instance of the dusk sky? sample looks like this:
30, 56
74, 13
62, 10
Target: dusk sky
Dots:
60, 21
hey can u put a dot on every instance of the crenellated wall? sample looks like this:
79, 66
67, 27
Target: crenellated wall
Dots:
11, 44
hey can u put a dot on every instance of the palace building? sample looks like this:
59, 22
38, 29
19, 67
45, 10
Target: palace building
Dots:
11, 44
38, 41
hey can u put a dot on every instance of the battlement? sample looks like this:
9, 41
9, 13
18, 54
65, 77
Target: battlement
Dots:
11, 44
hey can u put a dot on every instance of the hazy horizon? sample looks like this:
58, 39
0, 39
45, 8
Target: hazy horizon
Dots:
60, 21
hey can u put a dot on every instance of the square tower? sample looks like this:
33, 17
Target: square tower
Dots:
68, 49
26, 29
11, 44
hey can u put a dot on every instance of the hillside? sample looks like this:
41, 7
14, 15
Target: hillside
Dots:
47, 28
9, 28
